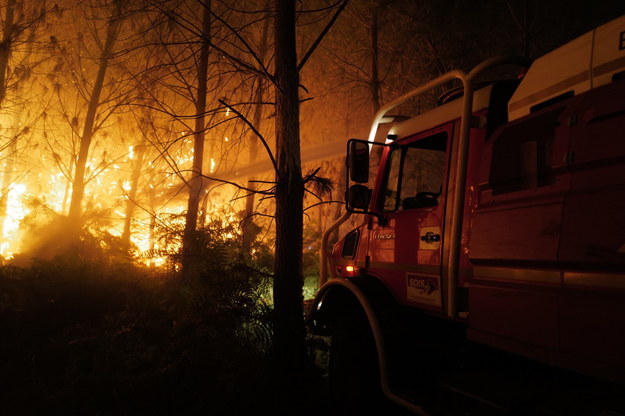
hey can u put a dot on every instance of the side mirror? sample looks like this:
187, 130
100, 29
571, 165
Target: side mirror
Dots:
358, 197
358, 161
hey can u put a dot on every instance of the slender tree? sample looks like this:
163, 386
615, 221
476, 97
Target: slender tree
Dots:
20, 55
248, 226
289, 194
195, 184
6, 45
131, 203
112, 31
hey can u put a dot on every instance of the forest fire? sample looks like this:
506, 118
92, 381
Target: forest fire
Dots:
149, 248
97, 136
153, 236
16, 211
170, 170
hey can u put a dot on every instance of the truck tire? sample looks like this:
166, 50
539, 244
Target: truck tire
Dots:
354, 380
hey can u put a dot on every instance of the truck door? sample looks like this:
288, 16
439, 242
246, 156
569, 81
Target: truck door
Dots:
405, 247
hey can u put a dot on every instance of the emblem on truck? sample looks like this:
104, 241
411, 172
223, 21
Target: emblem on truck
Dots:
384, 236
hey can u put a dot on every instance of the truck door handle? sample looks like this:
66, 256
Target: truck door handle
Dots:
430, 237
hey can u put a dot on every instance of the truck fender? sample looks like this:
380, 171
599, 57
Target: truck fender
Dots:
367, 292
340, 295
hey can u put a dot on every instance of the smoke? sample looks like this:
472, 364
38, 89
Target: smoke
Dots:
45, 236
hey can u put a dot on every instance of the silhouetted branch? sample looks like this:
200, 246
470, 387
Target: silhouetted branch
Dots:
323, 203
256, 191
247, 46
256, 132
323, 33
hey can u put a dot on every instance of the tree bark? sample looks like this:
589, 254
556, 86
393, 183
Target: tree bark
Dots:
189, 249
289, 336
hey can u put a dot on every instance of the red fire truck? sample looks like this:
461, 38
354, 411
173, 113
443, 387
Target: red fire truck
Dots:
492, 243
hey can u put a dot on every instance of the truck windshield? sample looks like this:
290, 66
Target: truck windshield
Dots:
415, 174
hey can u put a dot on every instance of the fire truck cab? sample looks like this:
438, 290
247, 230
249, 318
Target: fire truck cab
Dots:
498, 217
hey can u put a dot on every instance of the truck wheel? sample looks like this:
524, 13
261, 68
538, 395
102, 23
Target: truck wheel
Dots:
353, 372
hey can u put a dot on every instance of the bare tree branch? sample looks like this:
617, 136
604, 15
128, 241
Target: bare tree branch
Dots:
256, 132
321, 35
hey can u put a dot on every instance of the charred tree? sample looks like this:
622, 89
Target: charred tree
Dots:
131, 202
195, 184
5, 54
78, 184
16, 64
248, 227
247, 224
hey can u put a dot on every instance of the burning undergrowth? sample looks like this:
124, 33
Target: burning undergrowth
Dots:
45, 235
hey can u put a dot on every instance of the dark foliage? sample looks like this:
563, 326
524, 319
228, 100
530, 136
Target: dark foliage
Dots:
102, 337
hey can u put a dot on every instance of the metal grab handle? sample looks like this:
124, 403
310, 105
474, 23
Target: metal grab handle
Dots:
430, 237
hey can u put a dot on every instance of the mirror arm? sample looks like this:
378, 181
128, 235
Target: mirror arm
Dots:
382, 219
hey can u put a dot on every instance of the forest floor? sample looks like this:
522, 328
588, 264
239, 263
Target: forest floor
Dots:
80, 339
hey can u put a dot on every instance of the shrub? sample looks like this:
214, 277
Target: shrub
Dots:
88, 335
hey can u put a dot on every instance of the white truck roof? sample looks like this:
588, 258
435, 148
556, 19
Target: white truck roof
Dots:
587, 62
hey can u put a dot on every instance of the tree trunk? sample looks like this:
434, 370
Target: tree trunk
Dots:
152, 226
289, 336
247, 224
7, 181
78, 188
6, 47
248, 227
5, 54
131, 202
189, 249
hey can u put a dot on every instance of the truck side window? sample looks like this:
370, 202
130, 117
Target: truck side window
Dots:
522, 155
415, 174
